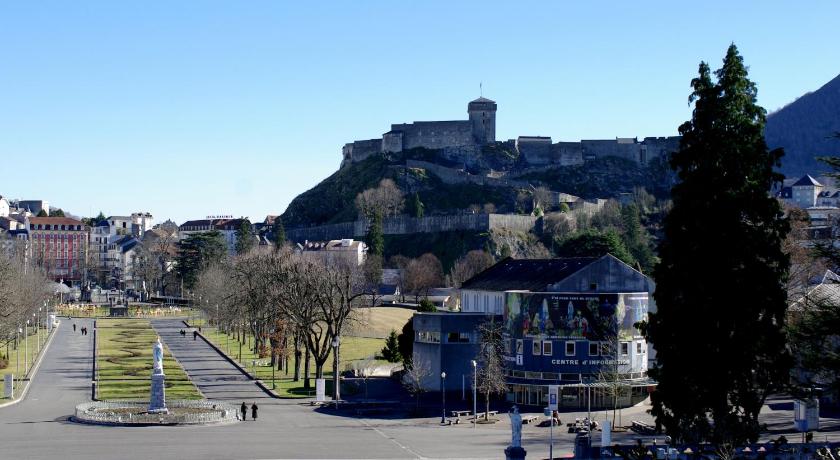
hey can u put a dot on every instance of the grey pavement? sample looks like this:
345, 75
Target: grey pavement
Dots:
38, 428
214, 375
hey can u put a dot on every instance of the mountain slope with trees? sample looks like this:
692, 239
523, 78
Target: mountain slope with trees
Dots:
804, 129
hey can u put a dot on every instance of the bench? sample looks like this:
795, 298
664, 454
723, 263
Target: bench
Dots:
461, 413
642, 428
528, 419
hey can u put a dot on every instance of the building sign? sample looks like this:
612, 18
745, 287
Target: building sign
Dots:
219, 217
574, 316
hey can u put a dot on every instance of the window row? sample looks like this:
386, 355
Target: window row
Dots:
546, 347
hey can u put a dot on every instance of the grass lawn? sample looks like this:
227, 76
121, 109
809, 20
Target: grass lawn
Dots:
17, 366
353, 350
124, 362
378, 321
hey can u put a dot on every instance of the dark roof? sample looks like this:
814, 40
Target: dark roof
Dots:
526, 274
806, 180
482, 99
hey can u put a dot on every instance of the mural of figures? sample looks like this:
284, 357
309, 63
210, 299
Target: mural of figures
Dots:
558, 315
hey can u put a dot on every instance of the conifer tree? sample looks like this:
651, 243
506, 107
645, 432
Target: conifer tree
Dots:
278, 233
244, 238
375, 238
721, 303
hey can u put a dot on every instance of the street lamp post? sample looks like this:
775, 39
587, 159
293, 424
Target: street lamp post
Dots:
37, 335
475, 391
17, 350
443, 396
336, 343
26, 348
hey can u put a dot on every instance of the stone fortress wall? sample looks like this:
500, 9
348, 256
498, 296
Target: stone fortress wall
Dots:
466, 136
404, 225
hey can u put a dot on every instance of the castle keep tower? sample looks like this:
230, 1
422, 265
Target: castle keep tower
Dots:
483, 118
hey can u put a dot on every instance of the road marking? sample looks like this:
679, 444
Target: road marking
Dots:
381, 433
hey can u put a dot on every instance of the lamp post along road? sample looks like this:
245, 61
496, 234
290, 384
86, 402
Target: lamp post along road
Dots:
443, 396
26, 348
475, 391
336, 343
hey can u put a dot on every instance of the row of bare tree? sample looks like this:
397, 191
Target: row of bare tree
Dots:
23, 289
295, 305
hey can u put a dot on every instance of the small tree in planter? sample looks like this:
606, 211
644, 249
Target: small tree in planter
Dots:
491, 371
413, 380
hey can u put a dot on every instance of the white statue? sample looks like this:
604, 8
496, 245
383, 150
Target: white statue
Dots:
515, 427
157, 354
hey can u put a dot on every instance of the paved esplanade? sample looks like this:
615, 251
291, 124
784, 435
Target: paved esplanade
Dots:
37, 428
215, 376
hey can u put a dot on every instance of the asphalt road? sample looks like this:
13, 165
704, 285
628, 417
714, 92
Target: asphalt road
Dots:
214, 376
38, 427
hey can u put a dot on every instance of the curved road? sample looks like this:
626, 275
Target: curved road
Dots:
37, 427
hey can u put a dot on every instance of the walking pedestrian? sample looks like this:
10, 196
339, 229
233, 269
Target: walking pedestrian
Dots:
74, 327
254, 411
195, 334
244, 410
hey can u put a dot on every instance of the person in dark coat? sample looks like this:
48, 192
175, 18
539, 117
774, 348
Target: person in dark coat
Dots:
244, 410
74, 327
254, 411
195, 334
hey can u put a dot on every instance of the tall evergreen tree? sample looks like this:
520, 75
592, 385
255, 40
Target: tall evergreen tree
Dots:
244, 238
278, 233
375, 238
721, 304
196, 252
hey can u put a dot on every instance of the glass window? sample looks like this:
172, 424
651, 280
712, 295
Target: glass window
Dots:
593, 348
519, 346
570, 348
428, 337
547, 348
536, 350
639, 348
625, 348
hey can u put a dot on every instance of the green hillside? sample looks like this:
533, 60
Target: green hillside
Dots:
332, 200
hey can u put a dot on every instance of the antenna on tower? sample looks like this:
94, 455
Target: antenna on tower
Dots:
480, 89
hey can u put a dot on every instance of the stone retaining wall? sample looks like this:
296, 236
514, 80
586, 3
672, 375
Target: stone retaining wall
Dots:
404, 225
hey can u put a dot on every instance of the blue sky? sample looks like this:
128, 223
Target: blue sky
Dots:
186, 109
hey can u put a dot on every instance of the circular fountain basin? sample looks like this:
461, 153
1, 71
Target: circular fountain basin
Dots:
135, 413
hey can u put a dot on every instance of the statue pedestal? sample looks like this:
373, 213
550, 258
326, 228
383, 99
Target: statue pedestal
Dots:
157, 400
514, 453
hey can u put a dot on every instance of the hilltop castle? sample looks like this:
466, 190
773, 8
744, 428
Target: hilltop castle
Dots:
463, 138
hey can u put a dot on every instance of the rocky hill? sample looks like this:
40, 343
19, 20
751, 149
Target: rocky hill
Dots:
804, 129
444, 189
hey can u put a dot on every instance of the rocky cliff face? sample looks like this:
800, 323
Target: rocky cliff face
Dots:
804, 128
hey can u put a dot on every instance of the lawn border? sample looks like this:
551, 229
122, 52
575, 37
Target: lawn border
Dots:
33, 371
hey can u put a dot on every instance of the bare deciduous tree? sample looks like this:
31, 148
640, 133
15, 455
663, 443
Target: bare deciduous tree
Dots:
422, 274
469, 265
491, 370
386, 200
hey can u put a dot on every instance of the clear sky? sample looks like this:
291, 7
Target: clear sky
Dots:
189, 108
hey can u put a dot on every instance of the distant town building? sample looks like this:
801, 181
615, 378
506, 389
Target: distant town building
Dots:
60, 245
335, 251
34, 206
4, 207
226, 226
